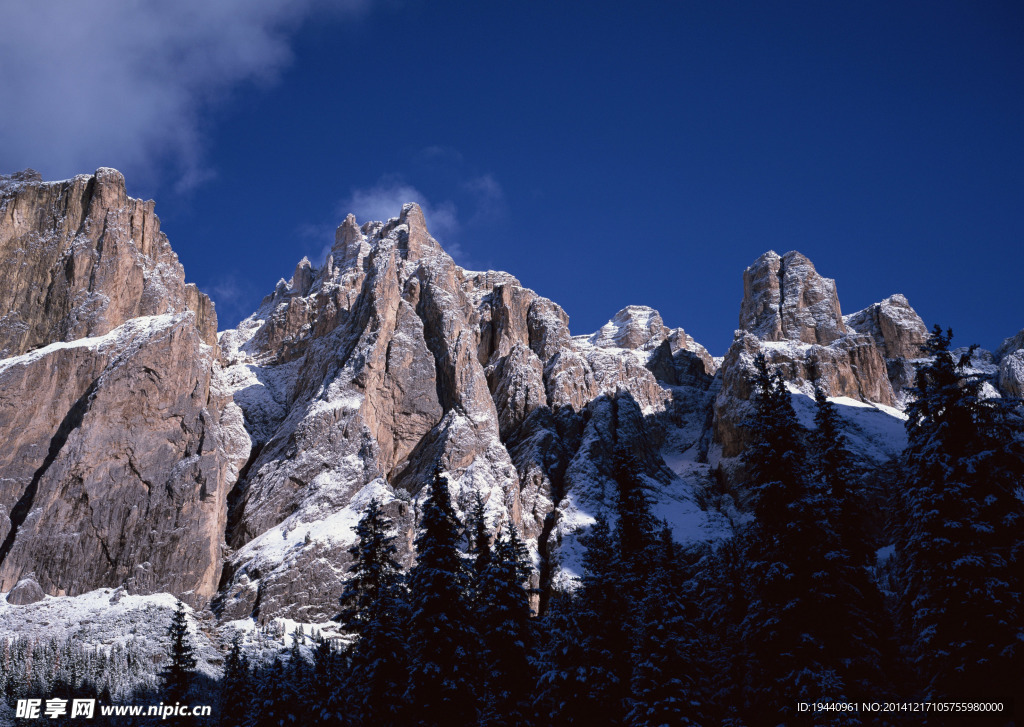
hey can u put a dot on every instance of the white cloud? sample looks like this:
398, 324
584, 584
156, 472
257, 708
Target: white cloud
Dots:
127, 83
489, 199
384, 200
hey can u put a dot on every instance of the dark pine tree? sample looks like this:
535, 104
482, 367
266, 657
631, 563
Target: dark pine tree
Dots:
478, 535
864, 645
503, 619
959, 538
235, 687
833, 467
375, 692
634, 533
273, 706
298, 686
668, 670
793, 620
605, 620
373, 570
327, 686
443, 671
177, 676
561, 664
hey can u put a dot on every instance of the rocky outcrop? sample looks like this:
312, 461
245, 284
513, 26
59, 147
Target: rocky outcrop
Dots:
784, 299
79, 258
380, 350
1010, 356
898, 333
896, 328
636, 327
118, 472
26, 591
151, 460
357, 379
791, 314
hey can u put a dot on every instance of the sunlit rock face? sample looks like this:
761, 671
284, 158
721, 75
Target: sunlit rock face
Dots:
792, 316
359, 378
1010, 356
80, 257
119, 448
784, 299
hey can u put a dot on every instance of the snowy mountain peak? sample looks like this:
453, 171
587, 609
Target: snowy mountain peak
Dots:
634, 327
784, 298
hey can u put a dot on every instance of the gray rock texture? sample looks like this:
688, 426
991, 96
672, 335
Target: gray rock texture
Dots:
1010, 356
791, 314
26, 591
119, 451
784, 299
359, 378
80, 257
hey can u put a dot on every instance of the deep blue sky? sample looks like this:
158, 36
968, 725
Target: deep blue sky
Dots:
604, 155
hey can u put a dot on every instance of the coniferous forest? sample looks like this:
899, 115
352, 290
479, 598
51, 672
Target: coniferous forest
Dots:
797, 607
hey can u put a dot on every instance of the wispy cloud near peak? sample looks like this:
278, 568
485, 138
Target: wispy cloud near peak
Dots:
127, 84
384, 200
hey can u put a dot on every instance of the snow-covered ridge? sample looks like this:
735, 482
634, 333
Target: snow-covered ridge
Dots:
119, 338
105, 617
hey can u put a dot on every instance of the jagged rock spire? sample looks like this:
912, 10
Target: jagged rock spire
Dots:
784, 299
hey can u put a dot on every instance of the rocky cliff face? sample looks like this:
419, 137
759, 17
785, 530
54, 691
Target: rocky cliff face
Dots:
791, 314
359, 378
230, 468
80, 258
1011, 365
118, 455
784, 299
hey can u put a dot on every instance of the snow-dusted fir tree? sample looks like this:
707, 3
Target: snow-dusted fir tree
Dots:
634, 531
563, 680
503, 620
328, 690
444, 671
178, 674
853, 600
273, 706
375, 692
668, 658
605, 618
961, 532
793, 622
478, 535
373, 569
235, 687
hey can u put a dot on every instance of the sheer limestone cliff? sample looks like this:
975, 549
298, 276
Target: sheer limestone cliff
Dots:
119, 452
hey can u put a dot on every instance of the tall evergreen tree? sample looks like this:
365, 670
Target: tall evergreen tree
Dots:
605, 620
854, 598
443, 671
563, 678
960, 534
834, 469
478, 535
235, 686
374, 568
793, 621
177, 676
273, 706
634, 532
379, 675
503, 618
666, 686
